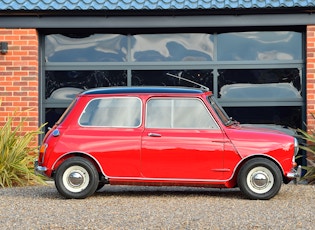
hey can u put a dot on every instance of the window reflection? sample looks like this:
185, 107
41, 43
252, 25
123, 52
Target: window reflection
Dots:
179, 114
94, 48
263, 83
280, 45
172, 47
160, 78
112, 112
275, 85
64, 84
52, 115
280, 115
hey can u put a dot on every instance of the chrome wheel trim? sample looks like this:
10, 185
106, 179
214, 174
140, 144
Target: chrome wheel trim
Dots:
260, 180
76, 179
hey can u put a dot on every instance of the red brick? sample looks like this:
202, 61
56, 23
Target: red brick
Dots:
310, 81
5, 93
19, 32
12, 38
19, 103
20, 43
12, 88
13, 58
28, 37
20, 94
28, 47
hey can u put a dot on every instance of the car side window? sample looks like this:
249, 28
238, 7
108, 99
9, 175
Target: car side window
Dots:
112, 112
179, 113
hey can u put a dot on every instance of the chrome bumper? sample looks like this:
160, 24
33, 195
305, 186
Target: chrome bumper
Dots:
39, 169
295, 173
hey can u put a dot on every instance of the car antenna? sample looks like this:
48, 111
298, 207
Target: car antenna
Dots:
190, 81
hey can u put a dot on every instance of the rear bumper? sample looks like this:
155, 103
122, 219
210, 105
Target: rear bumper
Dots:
39, 169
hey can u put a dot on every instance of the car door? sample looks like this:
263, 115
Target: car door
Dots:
181, 140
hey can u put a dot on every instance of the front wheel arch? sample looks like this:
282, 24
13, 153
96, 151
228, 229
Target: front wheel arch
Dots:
259, 178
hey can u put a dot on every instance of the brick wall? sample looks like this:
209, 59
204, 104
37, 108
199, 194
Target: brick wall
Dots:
310, 76
19, 76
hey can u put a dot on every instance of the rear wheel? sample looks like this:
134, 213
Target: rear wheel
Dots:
76, 178
260, 179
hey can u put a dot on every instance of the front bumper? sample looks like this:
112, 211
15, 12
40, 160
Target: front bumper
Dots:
295, 173
39, 169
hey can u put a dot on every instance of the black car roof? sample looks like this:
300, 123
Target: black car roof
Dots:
143, 89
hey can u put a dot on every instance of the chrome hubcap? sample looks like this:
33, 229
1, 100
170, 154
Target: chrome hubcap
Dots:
260, 179
76, 179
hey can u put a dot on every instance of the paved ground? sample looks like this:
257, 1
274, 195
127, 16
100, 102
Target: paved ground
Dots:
124, 207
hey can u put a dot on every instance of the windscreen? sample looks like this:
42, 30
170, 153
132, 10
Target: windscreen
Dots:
219, 110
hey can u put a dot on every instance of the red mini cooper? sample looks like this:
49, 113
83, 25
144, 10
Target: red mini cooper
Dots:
165, 136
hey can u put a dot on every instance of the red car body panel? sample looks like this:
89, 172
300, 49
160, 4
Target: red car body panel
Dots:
272, 144
173, 154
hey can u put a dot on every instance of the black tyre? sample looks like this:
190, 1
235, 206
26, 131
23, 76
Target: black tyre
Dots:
76, 178
100, 186
260, 179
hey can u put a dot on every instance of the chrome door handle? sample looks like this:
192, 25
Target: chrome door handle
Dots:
154, 135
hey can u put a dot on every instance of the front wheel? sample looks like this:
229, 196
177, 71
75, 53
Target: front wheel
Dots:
76, 178
260, 179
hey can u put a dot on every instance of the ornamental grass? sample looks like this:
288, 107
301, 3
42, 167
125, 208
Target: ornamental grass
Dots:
18, 154
309, 147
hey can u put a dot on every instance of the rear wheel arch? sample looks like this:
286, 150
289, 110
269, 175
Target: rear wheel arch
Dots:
78, 154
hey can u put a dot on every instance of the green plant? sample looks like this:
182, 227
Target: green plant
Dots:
309, 147
17, 154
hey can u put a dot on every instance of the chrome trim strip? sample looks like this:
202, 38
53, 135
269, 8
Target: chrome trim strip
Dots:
165, 179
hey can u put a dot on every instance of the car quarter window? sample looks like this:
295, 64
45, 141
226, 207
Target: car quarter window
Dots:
112, 112
179, 113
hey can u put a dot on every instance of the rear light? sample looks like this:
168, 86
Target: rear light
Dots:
42, 152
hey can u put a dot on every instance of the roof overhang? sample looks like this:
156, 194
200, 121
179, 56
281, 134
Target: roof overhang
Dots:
155, 21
